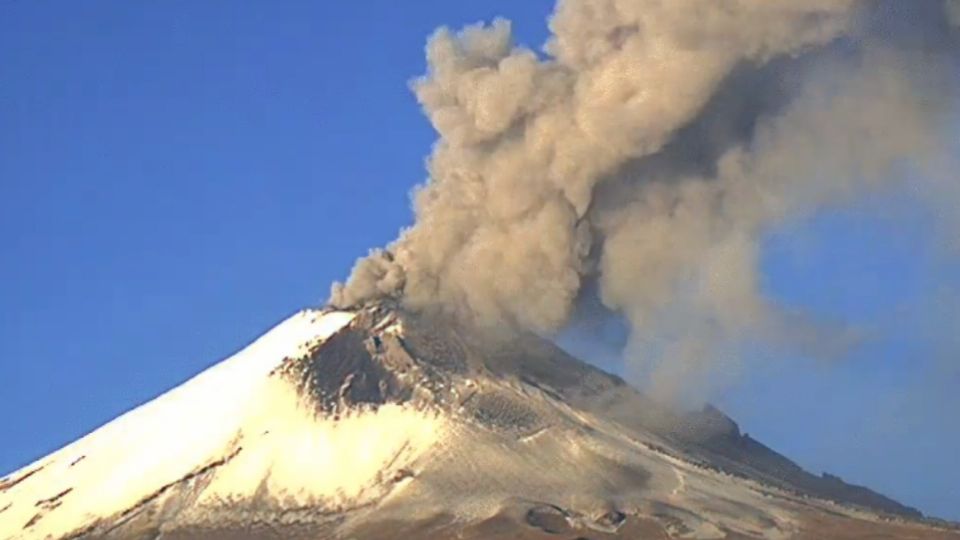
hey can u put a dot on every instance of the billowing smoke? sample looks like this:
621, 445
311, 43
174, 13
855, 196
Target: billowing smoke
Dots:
645, 153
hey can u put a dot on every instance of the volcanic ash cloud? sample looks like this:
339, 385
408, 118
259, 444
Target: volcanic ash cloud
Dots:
648, 150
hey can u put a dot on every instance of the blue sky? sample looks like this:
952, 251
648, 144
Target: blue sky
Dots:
177, 177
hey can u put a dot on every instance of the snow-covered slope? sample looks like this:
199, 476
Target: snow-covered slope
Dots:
381, 424
196, 425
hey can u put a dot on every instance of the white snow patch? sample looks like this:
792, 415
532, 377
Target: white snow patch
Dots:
157, 443
389, 325
318, 459
681, 482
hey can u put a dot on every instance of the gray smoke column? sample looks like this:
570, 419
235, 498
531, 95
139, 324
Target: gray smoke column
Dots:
648, 150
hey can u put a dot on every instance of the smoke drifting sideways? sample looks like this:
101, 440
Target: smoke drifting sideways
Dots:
637, 163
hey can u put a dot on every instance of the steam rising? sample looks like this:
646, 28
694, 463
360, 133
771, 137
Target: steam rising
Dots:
648, 151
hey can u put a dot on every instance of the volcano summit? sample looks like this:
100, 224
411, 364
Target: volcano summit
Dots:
376, 423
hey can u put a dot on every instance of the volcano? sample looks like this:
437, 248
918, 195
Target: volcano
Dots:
377, 423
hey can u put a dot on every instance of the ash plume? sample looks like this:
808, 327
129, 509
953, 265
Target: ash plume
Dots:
644, 154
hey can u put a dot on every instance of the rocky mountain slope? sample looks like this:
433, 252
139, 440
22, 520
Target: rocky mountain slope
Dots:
377, 423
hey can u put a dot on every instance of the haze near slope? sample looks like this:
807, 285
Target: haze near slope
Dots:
649, 150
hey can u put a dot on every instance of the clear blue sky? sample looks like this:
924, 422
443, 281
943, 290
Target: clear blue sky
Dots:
176, 177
